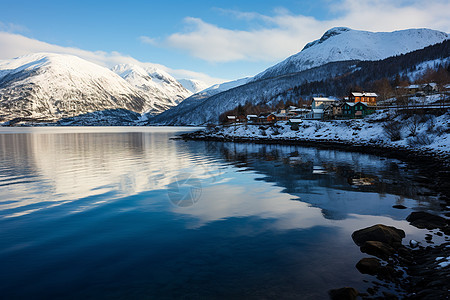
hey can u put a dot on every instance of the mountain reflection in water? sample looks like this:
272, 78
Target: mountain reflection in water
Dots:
130, 213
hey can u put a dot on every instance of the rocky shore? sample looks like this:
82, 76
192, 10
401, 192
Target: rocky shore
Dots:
411, 271
401, 270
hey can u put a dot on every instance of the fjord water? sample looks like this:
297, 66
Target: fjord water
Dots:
130, 213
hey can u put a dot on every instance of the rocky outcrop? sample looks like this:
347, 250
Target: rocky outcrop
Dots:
421, 219
346, 293
381, 233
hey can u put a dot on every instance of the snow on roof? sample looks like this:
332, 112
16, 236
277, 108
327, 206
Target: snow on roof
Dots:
252, 116
364, 94
322, 99
231, 117
317, 110
354, 103
295, 120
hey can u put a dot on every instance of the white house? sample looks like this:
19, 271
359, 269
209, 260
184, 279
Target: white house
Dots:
322, 102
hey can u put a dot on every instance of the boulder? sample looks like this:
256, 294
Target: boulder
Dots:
381, 233
369, 266
421, 219
372, 266
378, 249
346, 293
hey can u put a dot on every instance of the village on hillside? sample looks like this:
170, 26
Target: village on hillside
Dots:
356, 105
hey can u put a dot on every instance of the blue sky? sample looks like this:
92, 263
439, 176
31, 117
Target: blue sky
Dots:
208, 40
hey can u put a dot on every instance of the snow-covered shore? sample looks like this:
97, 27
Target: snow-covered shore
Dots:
424, 134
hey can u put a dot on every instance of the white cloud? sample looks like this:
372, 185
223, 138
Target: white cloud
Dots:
284, 34
148, 40
11, 27
14, 45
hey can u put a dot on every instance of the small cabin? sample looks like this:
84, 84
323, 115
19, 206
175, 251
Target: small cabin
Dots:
252, 118
271, 118
294, 123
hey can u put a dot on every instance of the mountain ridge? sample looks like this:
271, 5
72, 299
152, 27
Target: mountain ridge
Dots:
342, 43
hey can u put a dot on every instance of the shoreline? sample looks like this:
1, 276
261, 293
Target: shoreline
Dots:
423, 278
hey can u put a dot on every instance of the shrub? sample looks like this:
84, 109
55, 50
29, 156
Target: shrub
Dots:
393, 130
421, 139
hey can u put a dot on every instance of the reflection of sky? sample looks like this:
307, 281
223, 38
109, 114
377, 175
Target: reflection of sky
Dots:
89, 207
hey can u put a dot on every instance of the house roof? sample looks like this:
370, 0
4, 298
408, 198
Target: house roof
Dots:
317, 110
323, 99
301, 110
351, 104
364, 94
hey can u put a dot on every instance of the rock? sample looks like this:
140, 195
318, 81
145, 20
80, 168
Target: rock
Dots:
421, 219
389, 296
343, 294
378, 249
381, 233
369, 266
399, 206
413, 243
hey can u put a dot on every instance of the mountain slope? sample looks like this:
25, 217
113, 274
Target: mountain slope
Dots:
55, 86
331, 79
160, 90
45, 85
170, 115
341, 44
193, 85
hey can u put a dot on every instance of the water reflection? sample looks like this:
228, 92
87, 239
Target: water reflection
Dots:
337, 182
101, 213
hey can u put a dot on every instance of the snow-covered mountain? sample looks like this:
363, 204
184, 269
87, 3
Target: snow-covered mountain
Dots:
55, 86
282, 82
193, 85
341, 44
171, 116
160, 90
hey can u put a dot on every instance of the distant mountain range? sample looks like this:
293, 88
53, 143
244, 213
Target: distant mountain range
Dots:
56, 86
336, 53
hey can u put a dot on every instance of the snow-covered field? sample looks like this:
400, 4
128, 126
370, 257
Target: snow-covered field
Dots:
424, 133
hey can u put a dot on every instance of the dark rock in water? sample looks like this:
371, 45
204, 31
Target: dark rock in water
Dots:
389, 296
346, 293
378, 249
372, 266
421, 219
399, 206
381, 233
369, 266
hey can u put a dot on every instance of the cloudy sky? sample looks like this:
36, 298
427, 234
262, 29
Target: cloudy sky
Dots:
208, 40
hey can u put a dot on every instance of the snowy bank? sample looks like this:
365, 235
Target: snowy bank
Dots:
424, 134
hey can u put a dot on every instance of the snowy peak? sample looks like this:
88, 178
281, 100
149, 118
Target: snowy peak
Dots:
193, 85
160, 90
55, 86
332, 32
341, 43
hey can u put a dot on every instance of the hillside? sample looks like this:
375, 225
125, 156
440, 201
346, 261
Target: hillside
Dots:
54, 86
333, 79
343, 44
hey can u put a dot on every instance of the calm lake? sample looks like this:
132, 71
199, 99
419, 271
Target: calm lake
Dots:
128, 213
